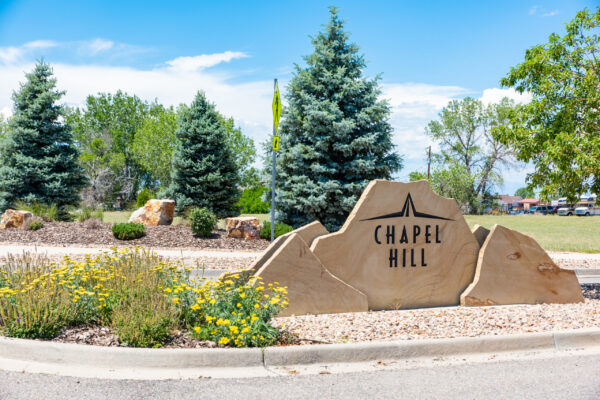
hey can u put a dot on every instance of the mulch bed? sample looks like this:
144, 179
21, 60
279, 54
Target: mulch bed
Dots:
70, 233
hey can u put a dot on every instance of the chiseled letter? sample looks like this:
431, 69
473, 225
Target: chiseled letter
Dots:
377, 230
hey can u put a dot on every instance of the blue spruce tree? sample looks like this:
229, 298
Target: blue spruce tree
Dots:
204, 171
335, 134
38, 160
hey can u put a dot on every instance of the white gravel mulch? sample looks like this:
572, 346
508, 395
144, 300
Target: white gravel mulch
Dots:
446, 322
570, 260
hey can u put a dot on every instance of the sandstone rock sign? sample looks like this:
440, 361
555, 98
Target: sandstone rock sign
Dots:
403, 246
155, 212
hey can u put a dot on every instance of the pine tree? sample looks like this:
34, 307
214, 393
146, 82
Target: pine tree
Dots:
335, 134
204, 171
38, 158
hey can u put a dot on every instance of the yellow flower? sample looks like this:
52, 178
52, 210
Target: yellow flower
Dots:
246, 330
224, 340
256, 306
239, 304
195, 307
233, 329
242, 295
197, 329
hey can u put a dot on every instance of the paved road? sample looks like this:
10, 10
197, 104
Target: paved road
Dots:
572, 375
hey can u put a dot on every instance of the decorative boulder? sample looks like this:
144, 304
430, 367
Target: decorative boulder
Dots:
311, 289
243, 228
155, 212
15, 219
514, 269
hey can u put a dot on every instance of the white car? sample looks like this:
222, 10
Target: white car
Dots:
587, 210
565, 211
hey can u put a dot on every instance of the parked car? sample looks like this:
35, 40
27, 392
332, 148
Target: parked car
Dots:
587, 210
566, 210
540, 210
544, 210
555, 209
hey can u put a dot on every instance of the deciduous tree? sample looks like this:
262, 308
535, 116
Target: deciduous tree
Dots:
559, 130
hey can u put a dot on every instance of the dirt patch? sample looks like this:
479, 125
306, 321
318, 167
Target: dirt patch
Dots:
75, 233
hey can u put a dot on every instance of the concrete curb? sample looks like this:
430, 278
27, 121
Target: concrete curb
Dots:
130, 363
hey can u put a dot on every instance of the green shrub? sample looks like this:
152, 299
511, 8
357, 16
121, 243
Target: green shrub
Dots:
202, 222
251, 201
46, 212
280, 229
128, 231
35, 225
98, 214
84, 214
144, 318
143, 196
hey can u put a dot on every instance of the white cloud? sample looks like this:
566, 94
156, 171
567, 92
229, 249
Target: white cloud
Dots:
533, 10
203, 61
550, 14
99, 45
15, 54
249, 103
494, 95
413, 105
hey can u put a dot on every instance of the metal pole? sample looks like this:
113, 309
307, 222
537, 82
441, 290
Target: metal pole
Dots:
428, 162
273, 180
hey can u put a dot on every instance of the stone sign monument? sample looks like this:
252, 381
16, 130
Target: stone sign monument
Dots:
403, 246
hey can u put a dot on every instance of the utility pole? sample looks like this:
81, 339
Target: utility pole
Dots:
428, 162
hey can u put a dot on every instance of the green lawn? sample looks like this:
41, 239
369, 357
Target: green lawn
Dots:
554, 233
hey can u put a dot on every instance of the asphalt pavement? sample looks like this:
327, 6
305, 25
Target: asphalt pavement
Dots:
544, 376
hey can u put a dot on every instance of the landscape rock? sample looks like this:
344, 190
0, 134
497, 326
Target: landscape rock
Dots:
15, 219
311, 288
155, 212
514, 269
480, 234
247, 228
403, 246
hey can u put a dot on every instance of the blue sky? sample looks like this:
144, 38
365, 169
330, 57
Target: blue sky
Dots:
427, 52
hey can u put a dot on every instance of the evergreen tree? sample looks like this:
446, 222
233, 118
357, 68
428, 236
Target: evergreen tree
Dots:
204, 171
39, 161
335, 134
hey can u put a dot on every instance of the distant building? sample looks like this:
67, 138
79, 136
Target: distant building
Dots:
508, 203
526, 204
